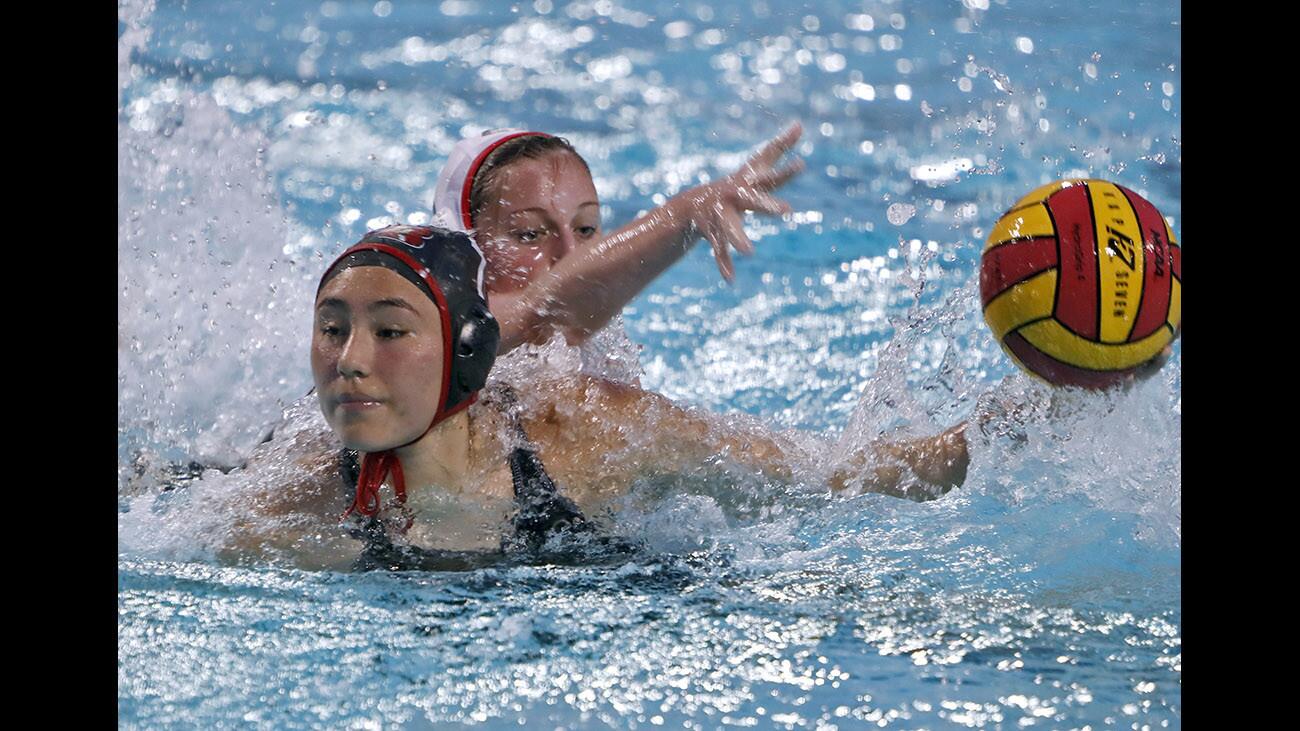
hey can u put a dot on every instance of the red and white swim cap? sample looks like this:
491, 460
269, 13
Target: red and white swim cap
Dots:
451, 196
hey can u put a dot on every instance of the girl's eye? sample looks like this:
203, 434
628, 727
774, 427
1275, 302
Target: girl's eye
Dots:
330, 330
586, 231
528, 236
390, 333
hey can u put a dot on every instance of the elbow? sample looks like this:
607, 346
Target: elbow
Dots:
941, 464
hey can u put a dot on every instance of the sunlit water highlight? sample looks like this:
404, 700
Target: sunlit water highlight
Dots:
256, 140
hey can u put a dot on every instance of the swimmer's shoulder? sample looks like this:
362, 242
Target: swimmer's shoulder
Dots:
299, 474
575, 404
290, 512
581, 428
590, 391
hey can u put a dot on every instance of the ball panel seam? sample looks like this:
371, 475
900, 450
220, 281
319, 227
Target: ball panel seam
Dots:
1026, 302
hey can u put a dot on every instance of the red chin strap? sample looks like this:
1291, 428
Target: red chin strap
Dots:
376, 466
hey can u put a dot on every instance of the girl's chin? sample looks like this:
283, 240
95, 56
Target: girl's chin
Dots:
363, 442
369, 441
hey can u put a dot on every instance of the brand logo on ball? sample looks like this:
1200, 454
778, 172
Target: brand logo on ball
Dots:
1121, 246
1157, 246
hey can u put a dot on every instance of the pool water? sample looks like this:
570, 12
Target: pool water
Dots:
256, 140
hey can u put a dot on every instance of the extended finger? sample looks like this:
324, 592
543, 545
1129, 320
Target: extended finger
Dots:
757, 200
776, 147
734, 230
721, 255
773, 179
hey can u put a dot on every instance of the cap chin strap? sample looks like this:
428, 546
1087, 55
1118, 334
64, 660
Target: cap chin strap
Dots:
376, 466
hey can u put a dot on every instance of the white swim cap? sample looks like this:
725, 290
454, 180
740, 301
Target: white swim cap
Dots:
451, 196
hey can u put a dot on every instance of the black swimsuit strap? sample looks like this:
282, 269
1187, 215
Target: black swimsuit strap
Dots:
542, 510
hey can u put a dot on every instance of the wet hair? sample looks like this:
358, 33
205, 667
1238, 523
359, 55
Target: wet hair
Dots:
527, 147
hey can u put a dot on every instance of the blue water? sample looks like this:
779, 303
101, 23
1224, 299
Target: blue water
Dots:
257, 139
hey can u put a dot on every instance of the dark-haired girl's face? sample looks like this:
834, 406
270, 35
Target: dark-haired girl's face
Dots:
538, 212
377, 358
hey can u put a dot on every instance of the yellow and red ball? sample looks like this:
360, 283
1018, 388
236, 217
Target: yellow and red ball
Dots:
1081, 283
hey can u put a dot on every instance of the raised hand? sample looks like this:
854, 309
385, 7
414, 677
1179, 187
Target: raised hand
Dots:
716, 210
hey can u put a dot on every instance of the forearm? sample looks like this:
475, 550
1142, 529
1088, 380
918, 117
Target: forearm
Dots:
304, 541
587, 289
583, 291
917, 469
288, 509
697, 438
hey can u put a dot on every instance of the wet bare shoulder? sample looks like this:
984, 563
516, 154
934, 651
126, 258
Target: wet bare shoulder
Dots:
299, 474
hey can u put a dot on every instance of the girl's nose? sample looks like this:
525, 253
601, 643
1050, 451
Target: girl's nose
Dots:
354, 359
563, 244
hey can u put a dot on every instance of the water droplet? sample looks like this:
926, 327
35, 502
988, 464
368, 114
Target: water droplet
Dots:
899, 213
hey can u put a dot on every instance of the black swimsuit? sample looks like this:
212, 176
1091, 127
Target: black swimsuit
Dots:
548, 527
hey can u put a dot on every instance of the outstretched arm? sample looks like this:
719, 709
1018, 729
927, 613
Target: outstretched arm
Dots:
586, 289
636, 433
598, 436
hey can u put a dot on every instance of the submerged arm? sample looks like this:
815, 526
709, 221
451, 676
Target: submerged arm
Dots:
291, 509
917, 469
586, 289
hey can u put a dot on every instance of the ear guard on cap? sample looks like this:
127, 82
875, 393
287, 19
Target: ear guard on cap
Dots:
476, 351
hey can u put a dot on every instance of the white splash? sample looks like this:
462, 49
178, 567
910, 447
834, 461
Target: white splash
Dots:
212, 317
